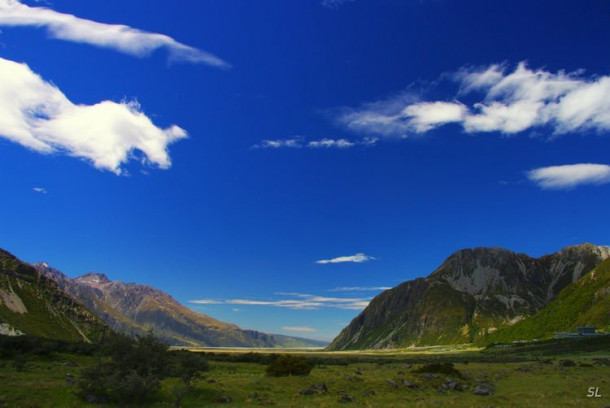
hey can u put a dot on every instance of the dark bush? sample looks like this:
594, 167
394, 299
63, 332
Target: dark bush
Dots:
440, 368
131, 372
288, 365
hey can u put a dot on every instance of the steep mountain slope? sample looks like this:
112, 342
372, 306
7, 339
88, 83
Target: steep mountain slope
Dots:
133, 309
35, 305
474, 292
585, 302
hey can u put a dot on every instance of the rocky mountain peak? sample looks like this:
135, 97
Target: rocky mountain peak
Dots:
93, 277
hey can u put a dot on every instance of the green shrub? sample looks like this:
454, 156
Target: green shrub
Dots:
440, 368
288, 365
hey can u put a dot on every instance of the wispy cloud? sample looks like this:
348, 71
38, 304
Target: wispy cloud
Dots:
571, 175
359, 288
299, 329
40, 190
334, 4
504, 101
297, 301
300, 143
37, 115
357, 258
120, 38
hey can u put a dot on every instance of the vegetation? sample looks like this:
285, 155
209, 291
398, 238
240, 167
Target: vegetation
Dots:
285, 365
556, 373
585, 302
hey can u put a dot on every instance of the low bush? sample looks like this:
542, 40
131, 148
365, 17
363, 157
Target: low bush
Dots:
288, 365
440, 368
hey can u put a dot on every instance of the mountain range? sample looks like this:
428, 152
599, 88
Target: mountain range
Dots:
473, 294
42, 301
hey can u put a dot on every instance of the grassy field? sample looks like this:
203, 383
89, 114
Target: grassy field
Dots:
526, 377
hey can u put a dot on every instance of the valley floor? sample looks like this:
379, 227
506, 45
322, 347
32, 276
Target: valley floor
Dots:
529, 379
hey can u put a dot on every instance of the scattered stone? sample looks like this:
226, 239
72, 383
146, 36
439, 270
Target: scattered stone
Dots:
430, 376
408, 366
392, 383
319, 387
524, 369
358, 372
345, 398
369, 393
452, 385
255, 395
567, 363
308, 391
409, 384
70, 380
352, 378
70, 364
483, 389
70, 375
401, 373
223, 400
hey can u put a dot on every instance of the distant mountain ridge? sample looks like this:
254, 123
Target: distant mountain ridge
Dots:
473, 293
134, 309
34, 305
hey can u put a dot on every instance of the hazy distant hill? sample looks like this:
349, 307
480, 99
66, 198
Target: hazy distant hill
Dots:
133, 309
585, 302
473, 293
35, 305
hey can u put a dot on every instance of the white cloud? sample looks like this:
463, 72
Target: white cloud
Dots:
299, 142
37, 115
40, 190
330, 143
359, 288
357, 258
505, 102
206, 302
302, 302
120, 38
571, 175
299, 329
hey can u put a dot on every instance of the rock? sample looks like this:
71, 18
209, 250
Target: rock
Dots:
409, 384
345, 398
392, 383
369, 393
70, 380
352, 378
451, 385
430, 376
255, 395
70, 364
567, 363
319, 387
223, 400
358, 372
401, 373
308, 391
483, 389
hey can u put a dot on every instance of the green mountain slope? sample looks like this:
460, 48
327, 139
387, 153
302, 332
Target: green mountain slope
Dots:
585, 302
36, 306
473, 293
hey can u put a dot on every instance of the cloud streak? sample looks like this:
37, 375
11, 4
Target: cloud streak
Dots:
300, 143
570, 176
117, 37
36, 114
359, 288
357, 258
296, 301
503, 101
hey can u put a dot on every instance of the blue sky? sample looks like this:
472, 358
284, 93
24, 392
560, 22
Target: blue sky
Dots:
218, 149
